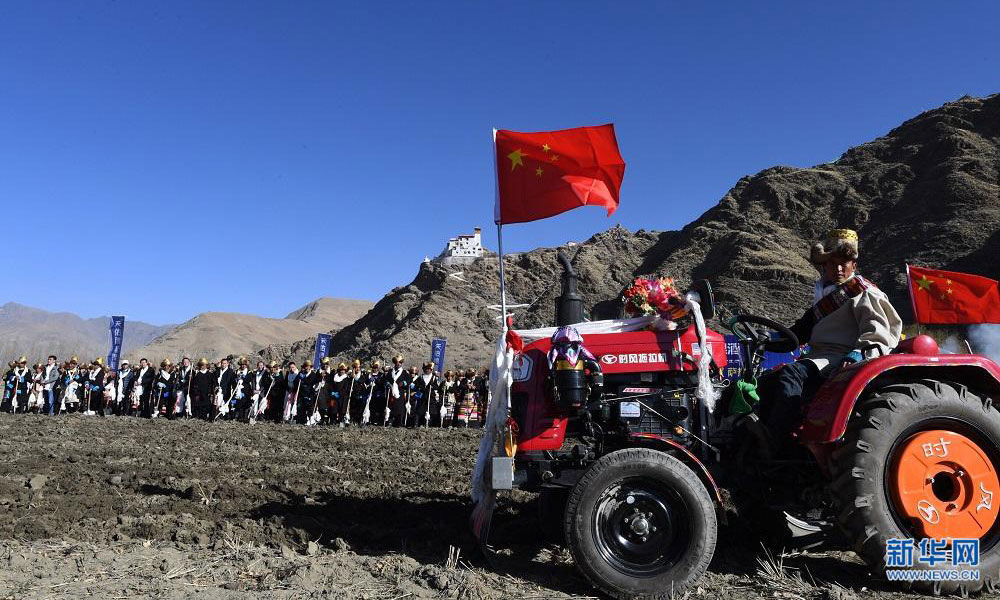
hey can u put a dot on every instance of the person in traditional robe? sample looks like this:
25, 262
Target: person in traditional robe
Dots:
123, 387
70, 398
257, 385
58, 387
325, 396
340, 393
358, 392
95, 387
110, 394
275, 393
163, 390
466, 399
292, 388
241, 393
308, 388
202, 385
51, 377
19, 385
181, 399
448, 397
8, 386
378, 393
399, 392
482, 395
36, 390
851, 321
143, 394
423, 397
225, 387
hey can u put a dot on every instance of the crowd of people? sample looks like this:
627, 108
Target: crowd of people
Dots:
333, 394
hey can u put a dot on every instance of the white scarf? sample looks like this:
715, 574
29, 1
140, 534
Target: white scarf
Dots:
165, 374
396, 373
338, 377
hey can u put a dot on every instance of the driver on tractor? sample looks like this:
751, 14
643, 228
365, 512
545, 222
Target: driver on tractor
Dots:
850, 319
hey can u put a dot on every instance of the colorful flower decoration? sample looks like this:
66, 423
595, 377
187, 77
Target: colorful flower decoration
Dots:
654, 296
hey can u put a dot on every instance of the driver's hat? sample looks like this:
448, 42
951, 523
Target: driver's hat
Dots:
839, 243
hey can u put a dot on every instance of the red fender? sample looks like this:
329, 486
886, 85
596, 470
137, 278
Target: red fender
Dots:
828, 413
687, 457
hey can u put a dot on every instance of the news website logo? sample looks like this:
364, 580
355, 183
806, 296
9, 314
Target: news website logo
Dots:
932, 559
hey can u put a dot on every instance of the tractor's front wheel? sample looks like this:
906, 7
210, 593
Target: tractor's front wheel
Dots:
640, 524
920, 461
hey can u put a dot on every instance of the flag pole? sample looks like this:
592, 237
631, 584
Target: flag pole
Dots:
913, 301
496, 217
503, 286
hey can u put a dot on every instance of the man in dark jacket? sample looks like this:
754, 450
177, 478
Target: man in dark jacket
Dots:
202, 385
145, 377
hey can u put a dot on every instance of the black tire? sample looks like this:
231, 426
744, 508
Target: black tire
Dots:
878, 427
551, 514
634, 491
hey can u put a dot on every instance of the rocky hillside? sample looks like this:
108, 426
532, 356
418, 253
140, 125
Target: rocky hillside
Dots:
216, 334
36, 333
927, 193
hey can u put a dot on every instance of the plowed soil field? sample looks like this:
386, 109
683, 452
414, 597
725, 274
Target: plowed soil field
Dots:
125, 507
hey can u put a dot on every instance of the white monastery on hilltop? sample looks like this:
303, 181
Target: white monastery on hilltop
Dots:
462, 249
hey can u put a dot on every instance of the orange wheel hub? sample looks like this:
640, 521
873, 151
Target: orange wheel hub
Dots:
946, 485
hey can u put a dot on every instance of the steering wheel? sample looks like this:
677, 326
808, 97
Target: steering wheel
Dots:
759, 330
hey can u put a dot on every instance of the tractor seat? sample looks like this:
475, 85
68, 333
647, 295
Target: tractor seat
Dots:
919, 344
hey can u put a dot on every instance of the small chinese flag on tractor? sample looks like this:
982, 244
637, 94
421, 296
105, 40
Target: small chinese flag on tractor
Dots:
945, 297
545, 173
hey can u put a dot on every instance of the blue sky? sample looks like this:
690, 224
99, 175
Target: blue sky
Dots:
159, 159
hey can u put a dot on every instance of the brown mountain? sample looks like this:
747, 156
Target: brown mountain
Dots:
216, 334
927, 193
36, 333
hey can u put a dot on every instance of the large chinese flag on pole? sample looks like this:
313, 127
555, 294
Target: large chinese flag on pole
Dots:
949, 298
545, 173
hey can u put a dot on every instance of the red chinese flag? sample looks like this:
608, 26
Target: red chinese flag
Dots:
945, 297
549, 172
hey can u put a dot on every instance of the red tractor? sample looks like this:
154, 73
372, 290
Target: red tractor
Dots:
631, 463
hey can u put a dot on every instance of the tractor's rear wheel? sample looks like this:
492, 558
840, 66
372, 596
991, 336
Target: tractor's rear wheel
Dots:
640, 524
920, 460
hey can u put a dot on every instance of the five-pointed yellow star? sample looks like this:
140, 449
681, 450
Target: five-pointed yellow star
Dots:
924, 283
516, 159
545, 147
539, 171
554, 158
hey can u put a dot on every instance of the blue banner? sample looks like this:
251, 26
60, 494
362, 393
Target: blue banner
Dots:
322, 347
734, 359
117, 330
437, 354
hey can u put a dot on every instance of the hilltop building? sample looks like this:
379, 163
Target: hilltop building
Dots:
462, 249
